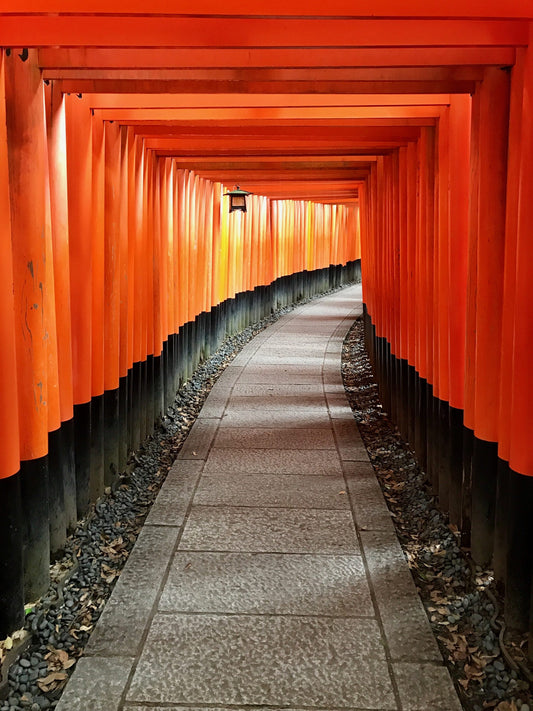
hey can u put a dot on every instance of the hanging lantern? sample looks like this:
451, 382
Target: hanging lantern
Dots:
237, 199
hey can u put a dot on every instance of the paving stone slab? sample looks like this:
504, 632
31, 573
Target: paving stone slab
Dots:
173, 499
281, 374
199, 439
407, 629
279, 390
257, 660
299, 402
426, 686
211, 528
267, 584
368, 503
121, 626
216, 402
277, 418
287, 358
96, 685
296, 349
210, 707
297, 491
229, 376
338, 405
349, 442
174, 707
274, 438
316, 462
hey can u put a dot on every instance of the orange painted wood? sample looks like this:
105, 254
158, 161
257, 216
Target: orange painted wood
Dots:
471, 273
79, 180
136, 235
493, 143
171, 31
505, 431
63, 58
112, 254
261, 101
344, 8
123, 255
444, 283
9, 402
131, 148
53, 397
521, 455
57, 171
98, 258
459, 121
27, 173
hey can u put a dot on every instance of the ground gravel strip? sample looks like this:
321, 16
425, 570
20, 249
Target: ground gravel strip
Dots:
458, 596
82, 581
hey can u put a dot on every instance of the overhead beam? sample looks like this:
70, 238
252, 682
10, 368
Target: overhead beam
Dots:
284, 175
349, 115
219, 101
266, 163
346, 8
268, 74
291, 133
229, 86
42, 30
168, 58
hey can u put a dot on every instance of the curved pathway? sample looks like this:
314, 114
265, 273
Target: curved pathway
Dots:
268, 574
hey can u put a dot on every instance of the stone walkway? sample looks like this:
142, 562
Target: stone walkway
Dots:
268, 574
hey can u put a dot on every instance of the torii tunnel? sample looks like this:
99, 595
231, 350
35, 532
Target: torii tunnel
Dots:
393, 137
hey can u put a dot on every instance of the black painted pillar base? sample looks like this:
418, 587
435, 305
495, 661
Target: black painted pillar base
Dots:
455, 493
499, 562
159, 387
82, 456
421, 421
142, 402
411, 405
431, 439
149, 411
11, 567
466, 503
96, 485
135, 405
444, 453
123, 406
484, 477
111, 436
66, 434
35, 527
56, 492
519, 552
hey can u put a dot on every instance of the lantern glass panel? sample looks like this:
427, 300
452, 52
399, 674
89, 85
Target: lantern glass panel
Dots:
238, 202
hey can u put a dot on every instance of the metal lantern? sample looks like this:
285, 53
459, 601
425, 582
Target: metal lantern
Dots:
237, 199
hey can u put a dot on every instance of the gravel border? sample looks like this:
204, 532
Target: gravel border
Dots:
459, 597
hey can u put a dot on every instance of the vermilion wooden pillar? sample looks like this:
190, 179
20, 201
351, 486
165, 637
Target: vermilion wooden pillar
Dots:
459, 125
124, 279
11, 571
507, 338
27, 171
98, 310
520, 529
63, 449
79, 178
111, 322
492, 183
